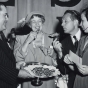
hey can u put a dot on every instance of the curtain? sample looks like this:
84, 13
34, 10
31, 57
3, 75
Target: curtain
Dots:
24, 7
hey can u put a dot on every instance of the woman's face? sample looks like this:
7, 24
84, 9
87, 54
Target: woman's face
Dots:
36, 24
84, 23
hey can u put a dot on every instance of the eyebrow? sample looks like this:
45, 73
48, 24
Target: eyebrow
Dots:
37, 20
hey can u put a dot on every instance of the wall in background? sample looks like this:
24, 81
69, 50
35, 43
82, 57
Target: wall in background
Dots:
24, 7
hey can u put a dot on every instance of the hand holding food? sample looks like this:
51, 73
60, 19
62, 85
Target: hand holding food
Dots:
57, 45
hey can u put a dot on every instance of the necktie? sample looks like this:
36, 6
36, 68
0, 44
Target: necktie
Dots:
76, 42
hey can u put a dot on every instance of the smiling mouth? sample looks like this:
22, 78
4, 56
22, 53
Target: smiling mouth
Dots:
38, 28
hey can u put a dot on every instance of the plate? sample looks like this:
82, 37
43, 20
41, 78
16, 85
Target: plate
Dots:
41, 70
36, 63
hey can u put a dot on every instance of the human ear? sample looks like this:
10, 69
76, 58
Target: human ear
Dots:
76, 22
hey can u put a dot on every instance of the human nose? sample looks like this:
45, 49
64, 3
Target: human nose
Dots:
81, 24
37, 23
62, 24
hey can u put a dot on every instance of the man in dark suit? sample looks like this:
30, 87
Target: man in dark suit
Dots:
70, 23
9, 69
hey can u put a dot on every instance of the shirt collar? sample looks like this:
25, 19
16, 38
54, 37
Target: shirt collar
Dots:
78, 35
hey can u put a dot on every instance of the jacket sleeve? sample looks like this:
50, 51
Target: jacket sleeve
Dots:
64, 69
8, 71
17, 50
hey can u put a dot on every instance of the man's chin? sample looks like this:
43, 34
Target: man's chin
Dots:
65, 31
3, 29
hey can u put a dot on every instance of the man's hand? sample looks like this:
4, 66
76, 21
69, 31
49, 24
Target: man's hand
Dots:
20, 64
58, 48
83, 69
24, 74
69, 62
57, 45
67, 59
50, 51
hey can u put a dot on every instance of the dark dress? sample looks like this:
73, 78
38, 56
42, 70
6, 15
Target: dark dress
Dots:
8, 71
82, 81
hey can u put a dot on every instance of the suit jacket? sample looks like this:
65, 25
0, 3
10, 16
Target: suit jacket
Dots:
82, 81
67, 45
8, 71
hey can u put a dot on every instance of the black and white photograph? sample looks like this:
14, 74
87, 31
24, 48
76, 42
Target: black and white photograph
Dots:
43, 43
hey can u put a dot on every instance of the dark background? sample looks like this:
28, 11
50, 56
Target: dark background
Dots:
9, 3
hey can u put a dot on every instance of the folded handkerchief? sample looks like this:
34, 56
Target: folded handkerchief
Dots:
75, 58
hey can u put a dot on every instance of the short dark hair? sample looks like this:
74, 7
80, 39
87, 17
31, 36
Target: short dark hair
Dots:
1, 4
74, 15
85, 11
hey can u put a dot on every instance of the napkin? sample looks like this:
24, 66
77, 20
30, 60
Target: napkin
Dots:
75, 58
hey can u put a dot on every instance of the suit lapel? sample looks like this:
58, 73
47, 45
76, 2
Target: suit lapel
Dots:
71, 45
85, 47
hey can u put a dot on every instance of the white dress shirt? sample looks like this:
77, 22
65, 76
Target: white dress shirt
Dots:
78, 36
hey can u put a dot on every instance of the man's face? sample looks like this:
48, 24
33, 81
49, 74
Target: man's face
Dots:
36, 24
68, 23
3, 18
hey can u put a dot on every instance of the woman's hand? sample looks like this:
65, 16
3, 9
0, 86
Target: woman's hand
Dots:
31, 36
22, 20
28, 40
20, 23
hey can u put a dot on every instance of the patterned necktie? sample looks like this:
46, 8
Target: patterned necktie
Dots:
76, 42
